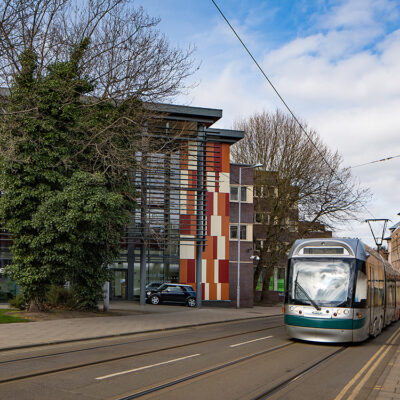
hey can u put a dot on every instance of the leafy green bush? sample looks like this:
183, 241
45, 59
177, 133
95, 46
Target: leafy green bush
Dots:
18, 302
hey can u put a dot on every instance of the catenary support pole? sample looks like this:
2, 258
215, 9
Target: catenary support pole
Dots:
238, 233
144, 225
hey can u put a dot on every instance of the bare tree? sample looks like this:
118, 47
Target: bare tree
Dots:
300, 181
127, 55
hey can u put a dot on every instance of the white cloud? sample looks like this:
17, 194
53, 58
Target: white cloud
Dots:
358, 13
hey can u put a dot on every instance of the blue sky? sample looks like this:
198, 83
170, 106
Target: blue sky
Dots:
336, 63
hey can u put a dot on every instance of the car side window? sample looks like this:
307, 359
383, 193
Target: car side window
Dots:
173, 289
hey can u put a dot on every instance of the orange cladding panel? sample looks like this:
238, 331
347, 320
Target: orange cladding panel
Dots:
213, 291
210, 271
224, 291
183, 271
225, 157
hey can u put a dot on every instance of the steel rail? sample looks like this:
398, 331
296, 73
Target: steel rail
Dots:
110, 359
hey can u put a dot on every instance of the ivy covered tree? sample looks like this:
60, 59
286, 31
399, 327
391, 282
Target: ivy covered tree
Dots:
72, 113
66, 216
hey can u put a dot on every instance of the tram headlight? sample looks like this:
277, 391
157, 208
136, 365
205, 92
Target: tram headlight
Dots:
346, 312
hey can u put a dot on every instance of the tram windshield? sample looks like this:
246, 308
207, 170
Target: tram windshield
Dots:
320, 282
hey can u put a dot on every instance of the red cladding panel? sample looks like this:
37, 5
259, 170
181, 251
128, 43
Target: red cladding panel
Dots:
224, 271
209, 203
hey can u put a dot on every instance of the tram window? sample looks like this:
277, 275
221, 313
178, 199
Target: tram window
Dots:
360, 297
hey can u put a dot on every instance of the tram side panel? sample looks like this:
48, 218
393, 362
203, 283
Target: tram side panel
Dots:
376, 287
390, 294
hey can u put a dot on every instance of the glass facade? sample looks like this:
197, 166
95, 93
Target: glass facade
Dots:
154, 233
8, 288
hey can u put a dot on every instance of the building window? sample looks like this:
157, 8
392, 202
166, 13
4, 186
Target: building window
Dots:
234, 193
262, 217
243, 193
243, 232
233, 232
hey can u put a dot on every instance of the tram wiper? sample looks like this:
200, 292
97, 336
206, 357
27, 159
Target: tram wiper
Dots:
314, 304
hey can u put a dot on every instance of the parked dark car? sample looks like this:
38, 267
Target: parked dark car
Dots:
174, 293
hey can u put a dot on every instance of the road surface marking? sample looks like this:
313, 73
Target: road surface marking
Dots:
362, 370
250, 341
145, 367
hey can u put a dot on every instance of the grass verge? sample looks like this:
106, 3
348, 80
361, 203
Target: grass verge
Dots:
8, 319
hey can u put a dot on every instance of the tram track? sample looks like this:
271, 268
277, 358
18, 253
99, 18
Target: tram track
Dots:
282, 385
110, 359
203, 372
265, 395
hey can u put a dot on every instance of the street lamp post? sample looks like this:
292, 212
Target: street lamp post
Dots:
239, 217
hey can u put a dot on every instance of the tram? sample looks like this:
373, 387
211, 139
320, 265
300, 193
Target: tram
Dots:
339, 290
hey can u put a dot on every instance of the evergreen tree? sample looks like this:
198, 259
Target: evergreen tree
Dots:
66, 214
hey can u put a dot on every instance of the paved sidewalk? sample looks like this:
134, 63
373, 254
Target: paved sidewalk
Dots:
391, 386
140, 319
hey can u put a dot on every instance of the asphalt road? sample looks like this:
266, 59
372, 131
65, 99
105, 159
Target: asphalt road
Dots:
251, 359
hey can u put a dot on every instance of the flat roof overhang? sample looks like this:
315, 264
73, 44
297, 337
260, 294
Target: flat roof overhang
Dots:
206, 116
223, 135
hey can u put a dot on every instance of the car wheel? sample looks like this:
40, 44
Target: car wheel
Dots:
154, 300
191, 302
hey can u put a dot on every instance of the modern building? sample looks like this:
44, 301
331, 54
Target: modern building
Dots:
182, 222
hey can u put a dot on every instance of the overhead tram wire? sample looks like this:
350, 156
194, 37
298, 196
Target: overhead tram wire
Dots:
284, 102
374, 162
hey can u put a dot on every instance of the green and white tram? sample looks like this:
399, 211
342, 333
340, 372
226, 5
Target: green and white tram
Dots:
339, 290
